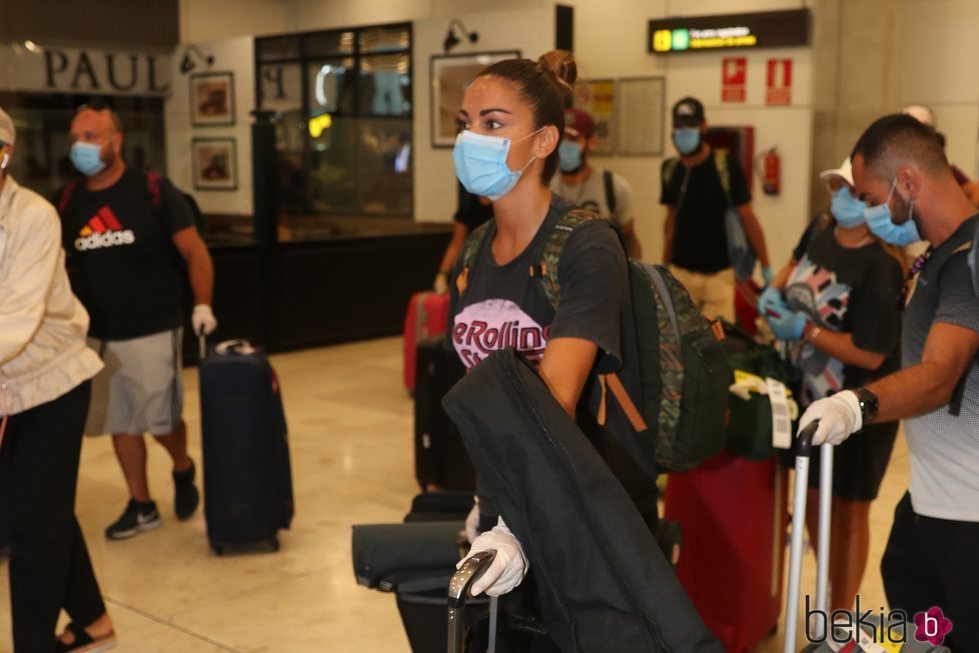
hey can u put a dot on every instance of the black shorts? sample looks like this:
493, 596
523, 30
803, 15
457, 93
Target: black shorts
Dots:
859, 463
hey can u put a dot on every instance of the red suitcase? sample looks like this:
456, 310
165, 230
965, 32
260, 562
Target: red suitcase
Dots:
733, 512
427, 315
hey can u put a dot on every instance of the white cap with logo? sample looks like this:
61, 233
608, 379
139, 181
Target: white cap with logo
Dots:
7, 132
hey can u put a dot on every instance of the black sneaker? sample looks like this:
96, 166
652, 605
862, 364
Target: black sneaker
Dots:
185, 494
136, 518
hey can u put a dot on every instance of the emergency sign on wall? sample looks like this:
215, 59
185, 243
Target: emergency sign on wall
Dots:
734, 77
778, 81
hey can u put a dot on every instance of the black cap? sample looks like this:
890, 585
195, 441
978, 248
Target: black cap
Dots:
688, 112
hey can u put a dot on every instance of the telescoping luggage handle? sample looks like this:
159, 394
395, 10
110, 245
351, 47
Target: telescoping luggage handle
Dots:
460, 586
803, 451
236, 346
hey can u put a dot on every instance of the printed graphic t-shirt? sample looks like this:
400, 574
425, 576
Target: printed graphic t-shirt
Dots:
124, 266
854, 291
503, 306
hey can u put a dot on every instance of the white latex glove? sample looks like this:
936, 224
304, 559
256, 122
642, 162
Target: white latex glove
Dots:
508, 568
441, 285
203, 320
839, 416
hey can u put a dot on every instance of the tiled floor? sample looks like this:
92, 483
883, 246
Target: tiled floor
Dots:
350, 423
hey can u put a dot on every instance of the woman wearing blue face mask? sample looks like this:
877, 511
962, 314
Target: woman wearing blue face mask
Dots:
838, 306
514, 117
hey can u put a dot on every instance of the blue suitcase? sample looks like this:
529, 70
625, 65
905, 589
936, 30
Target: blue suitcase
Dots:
247, 474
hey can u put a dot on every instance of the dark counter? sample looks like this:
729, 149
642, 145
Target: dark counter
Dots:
306, 293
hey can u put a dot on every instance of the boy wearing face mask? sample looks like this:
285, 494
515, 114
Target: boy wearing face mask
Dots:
591, 187
695, 240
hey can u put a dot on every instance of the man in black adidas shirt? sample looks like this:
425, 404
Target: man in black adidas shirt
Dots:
125, 232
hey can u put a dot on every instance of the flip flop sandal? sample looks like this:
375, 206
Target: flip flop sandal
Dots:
84, 643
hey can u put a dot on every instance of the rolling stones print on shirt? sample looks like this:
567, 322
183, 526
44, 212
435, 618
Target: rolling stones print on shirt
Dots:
494, 324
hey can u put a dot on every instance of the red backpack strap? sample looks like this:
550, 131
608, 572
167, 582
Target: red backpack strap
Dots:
66, 194
153, 185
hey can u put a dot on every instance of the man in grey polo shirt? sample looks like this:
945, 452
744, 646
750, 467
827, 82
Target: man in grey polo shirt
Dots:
932, 556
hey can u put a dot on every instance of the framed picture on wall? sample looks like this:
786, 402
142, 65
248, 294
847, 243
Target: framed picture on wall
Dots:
212, 99
599, 100
640, 107
451, 75
215, 165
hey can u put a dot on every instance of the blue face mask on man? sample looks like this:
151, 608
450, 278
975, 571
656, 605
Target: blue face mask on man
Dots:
686, 139
846, 208
87, 158
480, 163
879, 220
570, 155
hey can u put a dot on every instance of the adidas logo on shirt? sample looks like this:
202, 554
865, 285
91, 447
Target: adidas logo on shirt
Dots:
103, 230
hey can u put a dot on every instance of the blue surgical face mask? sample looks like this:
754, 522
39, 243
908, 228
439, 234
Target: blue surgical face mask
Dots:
846, 208
686, 139
569, 153
87, 158
480, 163
879, 220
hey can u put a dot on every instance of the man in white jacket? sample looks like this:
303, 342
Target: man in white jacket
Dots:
45, 372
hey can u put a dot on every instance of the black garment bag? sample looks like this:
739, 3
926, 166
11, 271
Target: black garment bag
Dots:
604, 585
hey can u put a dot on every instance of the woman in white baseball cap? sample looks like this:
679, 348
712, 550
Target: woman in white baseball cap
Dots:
838, 306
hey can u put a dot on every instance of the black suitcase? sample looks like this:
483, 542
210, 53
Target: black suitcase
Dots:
247, 476
441, 459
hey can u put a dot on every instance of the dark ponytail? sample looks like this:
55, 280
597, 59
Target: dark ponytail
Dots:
547, 86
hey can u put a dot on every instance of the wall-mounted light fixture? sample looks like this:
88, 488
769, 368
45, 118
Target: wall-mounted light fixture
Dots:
187, 64
451, 40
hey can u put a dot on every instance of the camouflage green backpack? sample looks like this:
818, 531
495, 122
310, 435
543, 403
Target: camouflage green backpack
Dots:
680, 417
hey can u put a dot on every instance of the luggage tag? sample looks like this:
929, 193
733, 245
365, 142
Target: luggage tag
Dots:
781, 415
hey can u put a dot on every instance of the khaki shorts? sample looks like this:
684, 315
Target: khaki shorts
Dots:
713, 294
141, 387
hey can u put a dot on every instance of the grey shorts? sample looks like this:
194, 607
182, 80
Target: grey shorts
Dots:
141, 387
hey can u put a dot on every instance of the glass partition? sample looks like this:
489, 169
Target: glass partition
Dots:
342, 103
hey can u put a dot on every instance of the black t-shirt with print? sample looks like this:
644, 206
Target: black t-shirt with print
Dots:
120, 250
699, 238
503, 306
849, 290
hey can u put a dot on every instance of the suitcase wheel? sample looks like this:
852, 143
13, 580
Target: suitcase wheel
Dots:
218, 549
274, 543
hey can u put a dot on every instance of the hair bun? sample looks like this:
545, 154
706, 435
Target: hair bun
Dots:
561, 64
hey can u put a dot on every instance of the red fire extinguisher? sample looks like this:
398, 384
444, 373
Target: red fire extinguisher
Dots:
771, 172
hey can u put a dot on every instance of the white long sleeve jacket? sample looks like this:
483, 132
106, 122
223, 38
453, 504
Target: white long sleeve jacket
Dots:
42, 324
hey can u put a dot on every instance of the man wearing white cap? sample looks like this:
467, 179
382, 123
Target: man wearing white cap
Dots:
45, 372
837, 305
